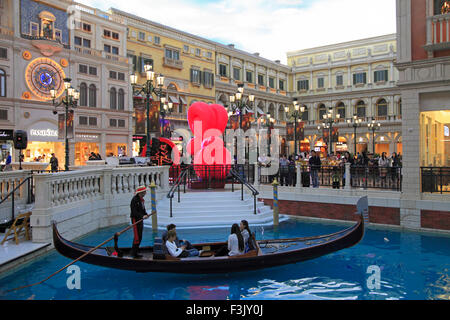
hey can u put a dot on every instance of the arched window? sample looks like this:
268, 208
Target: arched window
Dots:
272, 111
399, 107
322, 111
83, 95
340, 110
2, 83
92, 96
382, 108
113, 98
121, 105
281, 115
361, 109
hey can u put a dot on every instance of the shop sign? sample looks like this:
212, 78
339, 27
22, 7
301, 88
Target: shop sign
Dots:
43, 133
86, 137
6, 135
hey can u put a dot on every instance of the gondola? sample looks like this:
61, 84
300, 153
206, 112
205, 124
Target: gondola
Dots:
269, 253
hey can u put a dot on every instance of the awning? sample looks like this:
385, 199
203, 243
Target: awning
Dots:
248, 110
260, 111
183, 101
174, 99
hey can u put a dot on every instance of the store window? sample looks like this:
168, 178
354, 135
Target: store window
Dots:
38, 151
116, 150
435, 139
83, 151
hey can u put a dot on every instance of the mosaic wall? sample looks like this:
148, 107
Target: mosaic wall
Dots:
30, 11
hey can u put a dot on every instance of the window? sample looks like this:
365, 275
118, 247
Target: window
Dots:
93, 71
121, 100
107, 48
92, 96
302, 85
133, 60
83, 94
222, 70
86, 27
77, 41
83, 120
2, 83
121, 76
198, 52
141, 36
142, 62
320, 83
58, 35
305, 115
400, 107
361, 109
115, 36
115, 50
380, 76
86, 43
113, 98
438, 6
341, 110
83, 69
107, 33
93, 121
322, 111
281, 85
121, 123
208, 79
157, 40
272, 83
196, 76
249, 76
172, 54
382, 107
113, 75
339, 80
236, 74
359, 78
112, 122
186, 49
3, 114
3, 53
261, 79
209, 55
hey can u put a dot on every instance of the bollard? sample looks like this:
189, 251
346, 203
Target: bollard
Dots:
154, 216
276, 211
299, 176
347, 176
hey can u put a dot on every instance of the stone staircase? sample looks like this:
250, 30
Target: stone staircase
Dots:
212, 209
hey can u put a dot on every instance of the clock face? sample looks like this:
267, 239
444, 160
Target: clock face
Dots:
43, 75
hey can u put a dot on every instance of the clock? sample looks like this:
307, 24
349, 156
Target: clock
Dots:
43, 75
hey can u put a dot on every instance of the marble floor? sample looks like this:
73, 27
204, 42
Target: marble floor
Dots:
10, 251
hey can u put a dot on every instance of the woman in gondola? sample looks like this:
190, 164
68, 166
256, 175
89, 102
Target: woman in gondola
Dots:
247, 235
235, 245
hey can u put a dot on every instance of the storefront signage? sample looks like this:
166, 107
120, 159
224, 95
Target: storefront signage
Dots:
43, 132
6, 135
86, 137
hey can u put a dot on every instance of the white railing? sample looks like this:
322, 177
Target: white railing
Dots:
10, 180
438, 31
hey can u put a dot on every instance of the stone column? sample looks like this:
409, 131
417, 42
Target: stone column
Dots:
347, 177
299, 176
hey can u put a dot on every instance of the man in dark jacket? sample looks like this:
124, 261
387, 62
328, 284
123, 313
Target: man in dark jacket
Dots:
314, 163
138, 213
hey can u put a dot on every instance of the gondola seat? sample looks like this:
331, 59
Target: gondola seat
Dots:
159, 249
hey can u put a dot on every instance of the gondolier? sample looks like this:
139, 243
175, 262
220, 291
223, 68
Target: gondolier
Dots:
138, 213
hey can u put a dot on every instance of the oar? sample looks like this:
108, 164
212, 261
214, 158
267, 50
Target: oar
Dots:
81, 257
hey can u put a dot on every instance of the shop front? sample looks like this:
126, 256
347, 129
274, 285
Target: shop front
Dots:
116, 146
139, 141
85, 144
362, 144
42, 142
382, 145
341, 146
6, 142
435, 138
305, 146
321, 148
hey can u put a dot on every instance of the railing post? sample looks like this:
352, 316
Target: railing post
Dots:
171, 207
242, 191
254, 204
276, 210
12, 202
347, 176
257, 178
299, 183
154, 213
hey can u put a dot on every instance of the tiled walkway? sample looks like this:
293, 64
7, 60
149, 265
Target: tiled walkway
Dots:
9, 251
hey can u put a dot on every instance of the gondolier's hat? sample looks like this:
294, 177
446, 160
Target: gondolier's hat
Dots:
141, 189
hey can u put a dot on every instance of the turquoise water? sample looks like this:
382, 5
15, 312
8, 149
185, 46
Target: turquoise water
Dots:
410, 265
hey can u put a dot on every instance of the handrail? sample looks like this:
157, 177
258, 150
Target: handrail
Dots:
15, 189
248, 185
181, 177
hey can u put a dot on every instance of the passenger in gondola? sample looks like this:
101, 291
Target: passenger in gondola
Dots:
249, 243
235, 245
178, 242
179, 252
138, 212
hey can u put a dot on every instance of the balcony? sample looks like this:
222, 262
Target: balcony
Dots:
438, 33
172, 63
88, 51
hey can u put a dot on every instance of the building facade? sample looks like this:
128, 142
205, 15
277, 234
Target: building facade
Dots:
45, 42
423, 61
351, 78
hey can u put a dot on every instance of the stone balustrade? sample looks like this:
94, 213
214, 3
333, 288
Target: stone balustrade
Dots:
82, 201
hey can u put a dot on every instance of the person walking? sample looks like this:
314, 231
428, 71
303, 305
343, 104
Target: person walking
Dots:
8, 165
138, 213
383, 164
292, 177
54, 163
284, 170
314, 164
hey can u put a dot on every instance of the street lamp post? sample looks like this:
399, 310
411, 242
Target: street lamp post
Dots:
149, 89
70, 100
354, 122
297, 115
373, 126
329, 120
